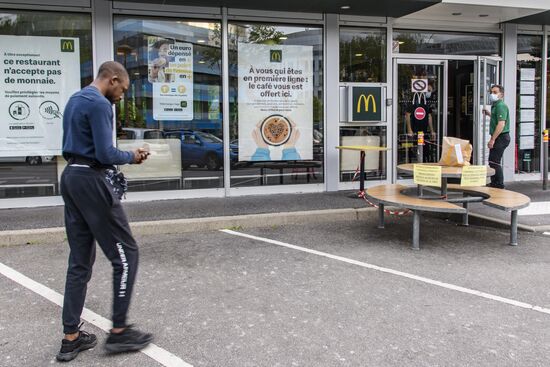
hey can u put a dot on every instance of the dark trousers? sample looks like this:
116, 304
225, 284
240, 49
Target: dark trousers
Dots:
92, 212
495, 159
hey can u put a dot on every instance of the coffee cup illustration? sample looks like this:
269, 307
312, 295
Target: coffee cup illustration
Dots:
275, 130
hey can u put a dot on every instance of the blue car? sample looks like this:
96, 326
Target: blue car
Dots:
201, 149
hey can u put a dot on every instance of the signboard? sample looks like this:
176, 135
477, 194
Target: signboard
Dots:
419, 85
275, 102
473, 176
420, 113
38, 75
170, 70
427, 175
366, 103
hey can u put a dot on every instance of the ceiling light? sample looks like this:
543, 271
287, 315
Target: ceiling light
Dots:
201, 41
483, 15
457, 14
345, 7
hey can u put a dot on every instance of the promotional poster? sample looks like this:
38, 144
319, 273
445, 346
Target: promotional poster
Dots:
170, 70
38, 76
275, 102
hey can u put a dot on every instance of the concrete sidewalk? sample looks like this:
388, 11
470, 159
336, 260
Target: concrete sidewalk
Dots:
35, 225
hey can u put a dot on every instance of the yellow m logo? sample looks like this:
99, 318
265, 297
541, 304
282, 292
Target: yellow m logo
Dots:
366, 101
67, 45
276, 55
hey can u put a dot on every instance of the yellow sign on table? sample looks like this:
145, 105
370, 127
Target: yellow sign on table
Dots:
427, 175
474, 176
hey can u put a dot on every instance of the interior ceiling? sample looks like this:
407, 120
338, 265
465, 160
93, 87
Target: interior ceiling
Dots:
379, 8
473, 14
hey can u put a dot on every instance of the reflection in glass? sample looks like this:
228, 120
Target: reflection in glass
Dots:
363, 55
445, 43
39, 175
270, 147
375, 162
418, 112
528, 102
173, 105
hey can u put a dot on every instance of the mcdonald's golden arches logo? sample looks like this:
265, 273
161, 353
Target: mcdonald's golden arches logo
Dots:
276, 55
366, 100
67, 45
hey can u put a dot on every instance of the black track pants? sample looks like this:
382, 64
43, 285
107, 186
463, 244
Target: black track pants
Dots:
92, 212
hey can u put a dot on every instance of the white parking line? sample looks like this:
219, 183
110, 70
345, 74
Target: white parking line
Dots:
396, 272
160, 355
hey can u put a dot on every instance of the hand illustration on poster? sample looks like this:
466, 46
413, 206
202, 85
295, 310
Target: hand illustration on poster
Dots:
276, 131
170, 70
275, 102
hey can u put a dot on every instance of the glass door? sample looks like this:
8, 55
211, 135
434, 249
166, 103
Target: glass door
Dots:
420, 96
487, 74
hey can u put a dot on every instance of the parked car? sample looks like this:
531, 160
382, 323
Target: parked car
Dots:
29, 159
201, 149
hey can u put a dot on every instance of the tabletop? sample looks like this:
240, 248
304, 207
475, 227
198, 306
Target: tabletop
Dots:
361, 147
446, 171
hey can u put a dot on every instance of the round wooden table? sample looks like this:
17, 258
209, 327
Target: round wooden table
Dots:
362, 149
446, 172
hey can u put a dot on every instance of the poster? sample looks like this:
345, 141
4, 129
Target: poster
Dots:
38, 75
527, 74
170, 70
527, 101
527, 115
527, 128
526, 142
527, 87
427, 175
473, 176
275, 102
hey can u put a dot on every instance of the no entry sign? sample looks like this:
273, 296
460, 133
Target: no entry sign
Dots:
420, 113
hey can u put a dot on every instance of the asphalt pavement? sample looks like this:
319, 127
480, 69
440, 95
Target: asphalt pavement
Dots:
338, 293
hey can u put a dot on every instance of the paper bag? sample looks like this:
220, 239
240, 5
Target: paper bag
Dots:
455, 152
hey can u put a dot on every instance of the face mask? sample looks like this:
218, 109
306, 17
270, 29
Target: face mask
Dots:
428, 94
493, 98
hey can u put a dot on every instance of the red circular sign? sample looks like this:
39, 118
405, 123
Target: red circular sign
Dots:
420, 113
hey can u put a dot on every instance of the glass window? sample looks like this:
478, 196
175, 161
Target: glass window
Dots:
276, 104
363, 55
50, 54
173, 105
445, 43
375, 162
528, 102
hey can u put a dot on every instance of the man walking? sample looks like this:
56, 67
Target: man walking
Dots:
499, 130
93, 211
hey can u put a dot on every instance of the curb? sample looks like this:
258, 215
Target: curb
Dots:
57, 234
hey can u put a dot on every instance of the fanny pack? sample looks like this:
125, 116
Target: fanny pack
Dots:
117, 181
114, 177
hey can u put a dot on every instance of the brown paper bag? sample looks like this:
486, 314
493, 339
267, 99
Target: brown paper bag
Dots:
456, 152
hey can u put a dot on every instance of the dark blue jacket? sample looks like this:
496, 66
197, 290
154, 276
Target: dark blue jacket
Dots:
88, 128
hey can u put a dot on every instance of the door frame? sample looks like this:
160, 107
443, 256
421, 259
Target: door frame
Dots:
419, 60
480, 94
438, 60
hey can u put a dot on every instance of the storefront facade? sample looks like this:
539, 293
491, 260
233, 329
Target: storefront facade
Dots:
248, 101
